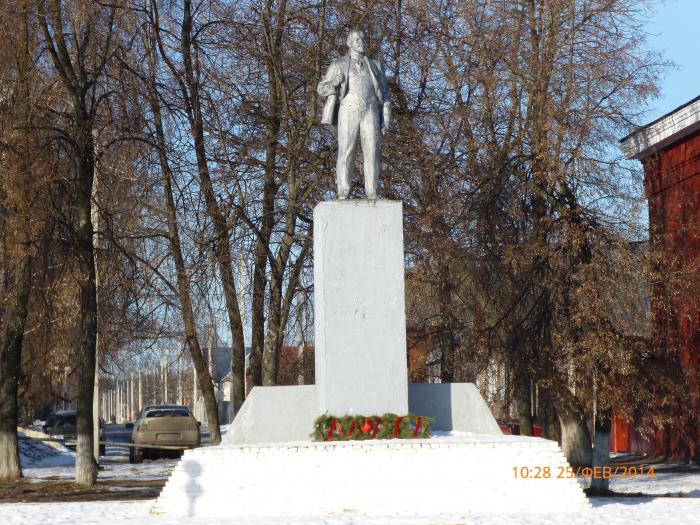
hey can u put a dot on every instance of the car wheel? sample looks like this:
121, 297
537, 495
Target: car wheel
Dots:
135, 455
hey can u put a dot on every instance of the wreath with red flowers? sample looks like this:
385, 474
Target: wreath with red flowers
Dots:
388, 426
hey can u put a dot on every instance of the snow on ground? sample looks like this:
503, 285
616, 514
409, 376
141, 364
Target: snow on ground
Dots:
50, 459
47, 454
667, 480
115, 464
614, 511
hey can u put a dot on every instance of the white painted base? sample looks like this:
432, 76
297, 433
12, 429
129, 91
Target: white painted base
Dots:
450, 476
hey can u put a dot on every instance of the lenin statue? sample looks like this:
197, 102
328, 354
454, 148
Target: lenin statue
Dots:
358, 102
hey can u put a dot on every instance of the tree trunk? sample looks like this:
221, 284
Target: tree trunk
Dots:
575, 437
95, 217
600, 484
203, 376
12, 325
270, 187
280, 304
16, 279
550, 428
273, 340
258, 313
222, 249
183, 283
523, 402
80, 67
85, 464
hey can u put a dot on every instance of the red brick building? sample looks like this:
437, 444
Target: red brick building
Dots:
669, 149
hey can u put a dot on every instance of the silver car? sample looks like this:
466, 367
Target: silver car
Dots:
163, 425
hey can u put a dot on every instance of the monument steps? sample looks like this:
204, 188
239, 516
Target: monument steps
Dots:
449, 476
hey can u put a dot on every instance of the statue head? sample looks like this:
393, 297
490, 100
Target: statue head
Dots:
357, 40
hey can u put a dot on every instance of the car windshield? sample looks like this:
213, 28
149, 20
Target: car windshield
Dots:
168, 412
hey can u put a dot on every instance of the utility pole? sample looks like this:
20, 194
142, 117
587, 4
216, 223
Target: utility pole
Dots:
300, 356
119, 402
194, 390
132, 400
179, 381
140, 406
210, 348
164, 375
65, 388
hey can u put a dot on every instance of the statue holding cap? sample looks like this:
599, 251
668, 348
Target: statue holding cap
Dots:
358, 102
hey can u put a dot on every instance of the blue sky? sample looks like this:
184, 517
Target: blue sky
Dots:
675, 31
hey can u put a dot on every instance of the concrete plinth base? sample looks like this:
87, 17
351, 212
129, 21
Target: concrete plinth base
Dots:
453, 406
449, 476
360, 321
286, 413
275, 414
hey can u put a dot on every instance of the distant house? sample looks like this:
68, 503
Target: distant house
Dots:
669, 149
219, 363
296, 365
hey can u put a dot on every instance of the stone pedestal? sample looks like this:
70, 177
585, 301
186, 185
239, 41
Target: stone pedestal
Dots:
360, 320
341, 481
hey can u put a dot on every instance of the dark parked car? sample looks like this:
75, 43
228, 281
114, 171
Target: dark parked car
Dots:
163, 425
63, 425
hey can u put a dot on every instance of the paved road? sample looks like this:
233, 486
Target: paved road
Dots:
114, 432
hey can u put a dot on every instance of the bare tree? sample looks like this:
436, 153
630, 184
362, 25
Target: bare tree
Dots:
79, 39
15, 253
514, 194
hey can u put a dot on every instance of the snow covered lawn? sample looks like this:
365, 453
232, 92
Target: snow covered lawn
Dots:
49, 469
669, 480
612, 511
51, 460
